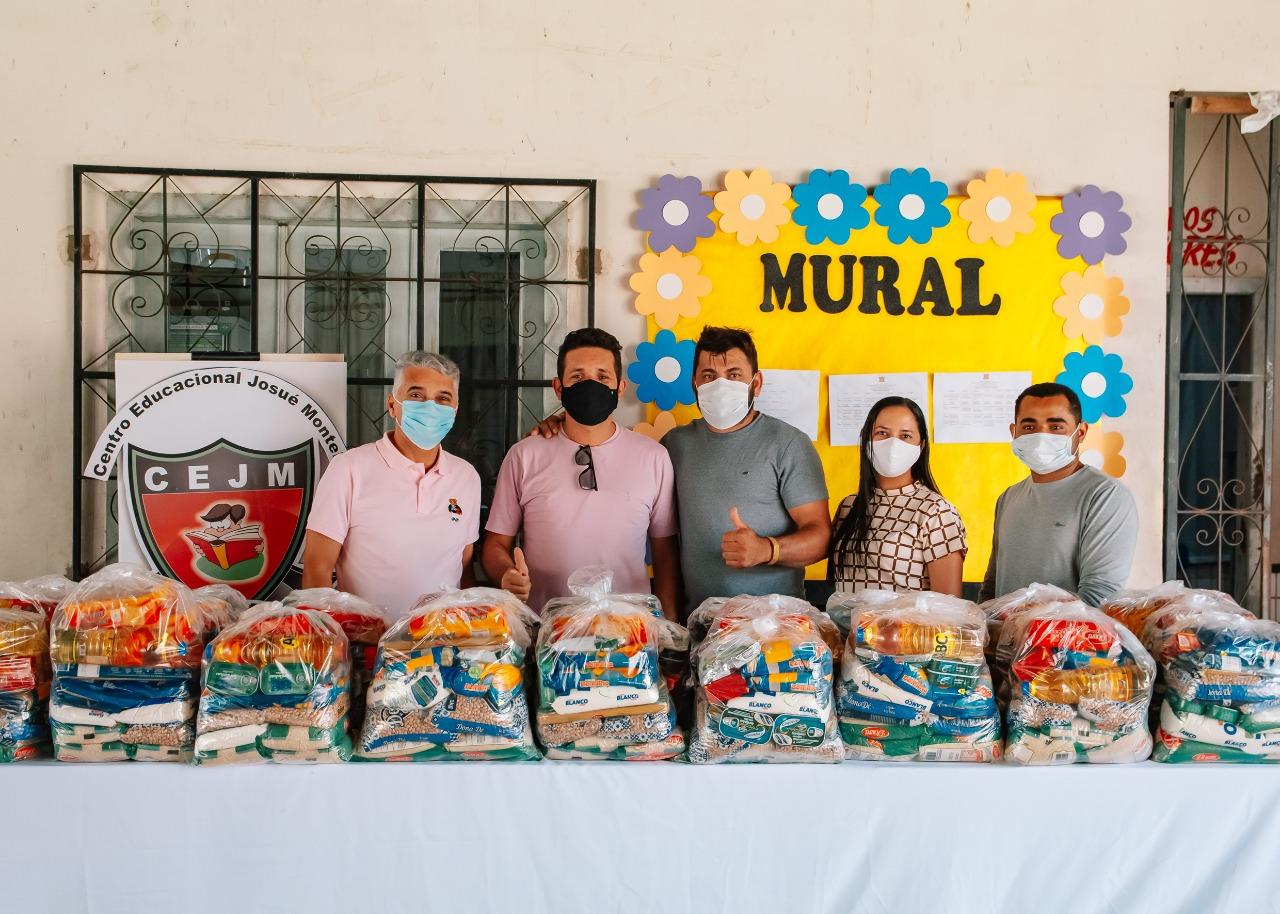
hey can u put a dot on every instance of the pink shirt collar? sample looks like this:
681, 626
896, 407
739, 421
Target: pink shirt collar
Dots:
617, 430
392, 457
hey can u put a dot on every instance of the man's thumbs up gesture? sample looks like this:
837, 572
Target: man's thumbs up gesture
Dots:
741, 547
516, 580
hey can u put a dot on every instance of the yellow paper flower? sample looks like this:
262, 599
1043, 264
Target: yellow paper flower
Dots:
752, 207
999, 208
1092, 305
662, 423
669, 286
1102, 449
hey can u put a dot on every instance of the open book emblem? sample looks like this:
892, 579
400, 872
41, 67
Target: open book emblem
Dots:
224, 513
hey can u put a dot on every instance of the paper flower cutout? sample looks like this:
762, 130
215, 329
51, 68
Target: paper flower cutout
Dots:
910, 205
662, 423
752, 207
1093, 304
675, 214
1102, 450
998, 208
663, 371
669, 287
829, 206
1098, 378
1091, 225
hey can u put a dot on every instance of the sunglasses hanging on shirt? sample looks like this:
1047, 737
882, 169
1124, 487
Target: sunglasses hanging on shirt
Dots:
587, 478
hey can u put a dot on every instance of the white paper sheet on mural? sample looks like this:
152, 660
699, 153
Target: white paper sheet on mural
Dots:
853, 395
975, 407
791, 396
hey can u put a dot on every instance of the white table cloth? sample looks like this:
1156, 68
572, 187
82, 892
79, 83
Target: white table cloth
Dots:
556, 837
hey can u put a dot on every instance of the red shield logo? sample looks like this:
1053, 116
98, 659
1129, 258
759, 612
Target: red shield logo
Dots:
223, 514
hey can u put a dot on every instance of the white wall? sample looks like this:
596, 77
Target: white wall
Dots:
1068, 94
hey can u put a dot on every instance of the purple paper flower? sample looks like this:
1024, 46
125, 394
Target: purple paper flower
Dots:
1091, 225
675, 214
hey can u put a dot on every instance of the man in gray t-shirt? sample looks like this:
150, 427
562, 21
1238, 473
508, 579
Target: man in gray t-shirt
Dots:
1067, 524
750, 490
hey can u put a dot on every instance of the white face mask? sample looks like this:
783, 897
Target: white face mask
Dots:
1044, 452
724, 403
892, 456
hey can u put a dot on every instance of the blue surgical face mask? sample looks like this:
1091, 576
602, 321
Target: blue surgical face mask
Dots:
425, 422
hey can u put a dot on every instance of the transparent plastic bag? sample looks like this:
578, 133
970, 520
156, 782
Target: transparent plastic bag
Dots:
275, 687
364, 625
128, 621
606, 666
1080, 685
220, 604
42, 594
1131, 608
1033, 597
914, 684
765, 683
449, 681
124, 642
24, 684
843, 608
1220, 672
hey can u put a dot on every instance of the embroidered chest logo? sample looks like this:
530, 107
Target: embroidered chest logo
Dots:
455, 510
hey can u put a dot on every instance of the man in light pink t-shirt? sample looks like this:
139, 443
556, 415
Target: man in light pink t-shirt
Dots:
399, 517
595, 494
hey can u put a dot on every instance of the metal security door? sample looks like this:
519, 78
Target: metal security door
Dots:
1221, 345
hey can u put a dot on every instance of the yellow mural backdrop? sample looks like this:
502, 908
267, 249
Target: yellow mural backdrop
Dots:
1024, 335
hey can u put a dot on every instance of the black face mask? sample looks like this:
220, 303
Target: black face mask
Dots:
589, 402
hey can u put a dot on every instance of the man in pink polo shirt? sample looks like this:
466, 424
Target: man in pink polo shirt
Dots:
594, 494
399, 517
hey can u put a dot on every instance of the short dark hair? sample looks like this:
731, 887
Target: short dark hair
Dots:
590, 338
1046, 390
719, 340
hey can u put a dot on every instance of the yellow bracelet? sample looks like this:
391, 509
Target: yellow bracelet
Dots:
777, 550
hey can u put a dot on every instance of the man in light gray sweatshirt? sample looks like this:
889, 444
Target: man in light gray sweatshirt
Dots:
1067, 524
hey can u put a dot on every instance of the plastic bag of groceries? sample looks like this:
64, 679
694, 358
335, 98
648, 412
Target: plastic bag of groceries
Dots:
1161, 620
364, 625
1002, 609
765, 682
42, 594
221, 604
914, 684
1221, 677
607, 664
126, 646
1132, 608
24, 684
843, 608
1079, 687
275, 687
449, 681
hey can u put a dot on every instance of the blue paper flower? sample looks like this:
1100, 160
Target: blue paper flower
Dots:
663, 371
911, 205
829, 206
1098, 378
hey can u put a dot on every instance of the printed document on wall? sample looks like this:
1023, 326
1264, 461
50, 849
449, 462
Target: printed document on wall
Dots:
791, 396
975, 407
853, 395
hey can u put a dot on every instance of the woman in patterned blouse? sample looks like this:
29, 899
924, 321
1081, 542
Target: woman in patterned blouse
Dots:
897, 532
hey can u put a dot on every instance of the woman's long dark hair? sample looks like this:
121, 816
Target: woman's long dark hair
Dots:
851, 538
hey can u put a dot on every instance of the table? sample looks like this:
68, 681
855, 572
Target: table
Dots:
562, 837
